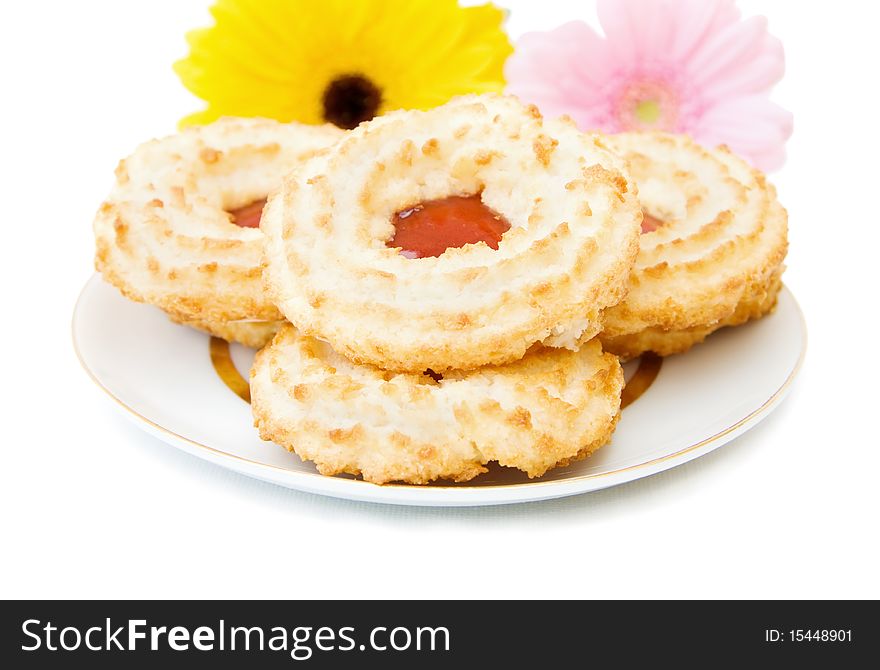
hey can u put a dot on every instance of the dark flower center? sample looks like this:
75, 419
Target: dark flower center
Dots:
350, 99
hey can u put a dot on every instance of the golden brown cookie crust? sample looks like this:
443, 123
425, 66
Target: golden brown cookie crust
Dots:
716, 261
758, 301
550, 408
163, 236
574, 235
254, 334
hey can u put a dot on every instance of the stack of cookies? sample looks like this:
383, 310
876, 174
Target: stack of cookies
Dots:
442, 283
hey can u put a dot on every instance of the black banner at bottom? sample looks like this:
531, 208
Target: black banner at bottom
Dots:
332, 634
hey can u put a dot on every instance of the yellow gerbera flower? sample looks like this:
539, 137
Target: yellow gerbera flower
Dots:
342, 61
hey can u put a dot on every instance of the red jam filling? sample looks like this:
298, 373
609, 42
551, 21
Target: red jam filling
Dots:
249, 215
432, 227
650, 223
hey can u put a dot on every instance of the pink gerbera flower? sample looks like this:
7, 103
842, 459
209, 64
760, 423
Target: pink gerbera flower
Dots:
685, 66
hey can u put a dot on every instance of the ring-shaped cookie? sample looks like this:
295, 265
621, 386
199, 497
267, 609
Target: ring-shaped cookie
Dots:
545, 410
713, 248
165, 234
254, 334
574, 235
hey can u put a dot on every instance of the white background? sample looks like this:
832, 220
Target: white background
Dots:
92, 507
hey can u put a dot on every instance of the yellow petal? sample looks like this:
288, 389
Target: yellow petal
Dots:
276, 58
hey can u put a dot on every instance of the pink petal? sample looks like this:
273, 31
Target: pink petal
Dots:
697, 20
634, 29
770, 160
563, 71
752, 126
714, 67
756, 75
743, 53
647, 31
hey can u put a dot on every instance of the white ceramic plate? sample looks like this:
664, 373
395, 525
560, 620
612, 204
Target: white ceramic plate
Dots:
165, 378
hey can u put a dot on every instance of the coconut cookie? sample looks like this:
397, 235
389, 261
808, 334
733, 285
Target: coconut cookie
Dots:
453, 238
180, 230
254, 334
712, 249
552, 407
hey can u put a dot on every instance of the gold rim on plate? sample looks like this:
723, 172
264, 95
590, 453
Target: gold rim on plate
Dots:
770, 402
